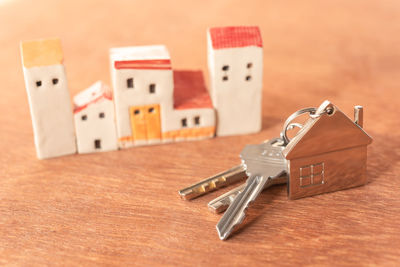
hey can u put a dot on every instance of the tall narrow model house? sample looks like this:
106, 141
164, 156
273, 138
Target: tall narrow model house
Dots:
235, 61
49, 99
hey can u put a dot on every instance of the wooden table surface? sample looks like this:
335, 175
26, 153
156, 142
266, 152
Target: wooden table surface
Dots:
122, 207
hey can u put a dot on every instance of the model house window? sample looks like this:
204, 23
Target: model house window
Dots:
152, 88
197, 120
248, 78
225, 68
54, 81
137, 112
129, 83
84, 117
38, 83
225, 78
312, 174
249, 65
97, 144
184, 122
101, 115
151, 110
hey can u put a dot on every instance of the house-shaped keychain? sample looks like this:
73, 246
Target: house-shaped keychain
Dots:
329, 153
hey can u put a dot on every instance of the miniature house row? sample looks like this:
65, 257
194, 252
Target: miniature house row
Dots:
150, 102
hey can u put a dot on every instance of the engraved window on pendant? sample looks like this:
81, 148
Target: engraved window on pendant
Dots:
312, 174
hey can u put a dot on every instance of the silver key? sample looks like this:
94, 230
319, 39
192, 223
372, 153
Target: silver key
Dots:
215, 182
264, 164
221, 203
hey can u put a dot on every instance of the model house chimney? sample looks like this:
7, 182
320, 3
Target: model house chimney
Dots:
358, 115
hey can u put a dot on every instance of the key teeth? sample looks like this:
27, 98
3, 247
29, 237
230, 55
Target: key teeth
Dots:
213, 183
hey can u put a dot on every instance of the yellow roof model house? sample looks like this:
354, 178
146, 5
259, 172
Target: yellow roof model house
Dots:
49, 99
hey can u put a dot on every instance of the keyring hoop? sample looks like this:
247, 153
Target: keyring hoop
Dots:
288, 125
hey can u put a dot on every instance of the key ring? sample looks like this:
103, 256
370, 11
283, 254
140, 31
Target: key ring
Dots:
288, 125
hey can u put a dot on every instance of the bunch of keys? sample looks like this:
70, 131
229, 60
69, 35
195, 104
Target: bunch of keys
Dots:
328, 153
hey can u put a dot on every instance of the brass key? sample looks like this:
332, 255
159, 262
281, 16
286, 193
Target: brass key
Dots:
213, 183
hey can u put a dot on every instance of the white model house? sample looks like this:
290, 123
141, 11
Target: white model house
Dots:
49, 99
143, 88
143, 84
235, 61
95, 120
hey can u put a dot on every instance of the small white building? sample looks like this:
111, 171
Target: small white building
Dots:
235, 61
95, 120
49, 98
143, 88
154, 104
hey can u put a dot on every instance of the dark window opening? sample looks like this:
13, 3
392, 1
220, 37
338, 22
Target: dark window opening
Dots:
129, 83
55, 81
248, 78
101, 115
151, 110
38, 83
84, 117
225, 78
197, 120
152, 88
249, 65
137, 111
97, 144
225, 68
184, 122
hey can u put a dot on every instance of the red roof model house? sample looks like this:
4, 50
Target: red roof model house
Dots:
235, 61
153, 103
193, 116
94, 119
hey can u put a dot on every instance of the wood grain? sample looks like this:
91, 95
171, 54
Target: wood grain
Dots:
122, 207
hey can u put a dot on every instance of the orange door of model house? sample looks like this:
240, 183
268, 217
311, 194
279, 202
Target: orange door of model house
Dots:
145, 122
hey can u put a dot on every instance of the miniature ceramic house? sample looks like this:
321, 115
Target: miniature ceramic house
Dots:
95, 120
143, 88
193, 115
235, 61
155, 104
328, 154
49, 99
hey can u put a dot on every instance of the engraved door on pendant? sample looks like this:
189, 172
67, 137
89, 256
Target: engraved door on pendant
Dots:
145, 122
